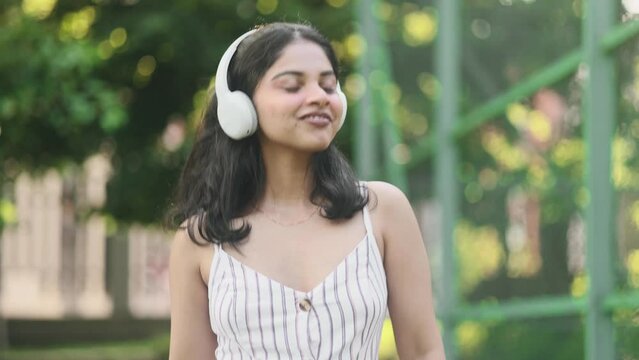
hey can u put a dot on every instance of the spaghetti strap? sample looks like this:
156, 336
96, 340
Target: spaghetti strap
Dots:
215, 264
367, 220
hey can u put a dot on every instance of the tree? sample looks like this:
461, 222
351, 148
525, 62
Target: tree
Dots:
115, 76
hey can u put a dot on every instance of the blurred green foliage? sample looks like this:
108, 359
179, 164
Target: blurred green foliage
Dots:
52, 106
79, 77
551, 339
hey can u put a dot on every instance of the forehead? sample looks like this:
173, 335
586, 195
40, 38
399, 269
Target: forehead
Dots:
301, 55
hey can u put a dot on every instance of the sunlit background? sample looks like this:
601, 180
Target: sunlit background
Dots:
100, 100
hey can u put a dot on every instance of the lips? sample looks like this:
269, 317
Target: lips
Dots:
317, 116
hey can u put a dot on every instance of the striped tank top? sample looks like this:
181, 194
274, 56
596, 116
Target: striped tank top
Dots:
256, 317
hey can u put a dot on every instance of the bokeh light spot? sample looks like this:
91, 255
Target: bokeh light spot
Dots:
355, 46
266, 7
401, 154
385, 11
39, 9
419, 28
539, 126
355, 86
146, 65
117, 37
632, 264
473, 192
517, 114
76, 25
488, 178
579, 286
8, 212
481, 29
568, 152
428, 84
105, 50
481, 253
336, 3
470, 335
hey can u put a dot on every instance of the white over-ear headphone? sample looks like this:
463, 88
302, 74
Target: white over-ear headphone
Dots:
235, 110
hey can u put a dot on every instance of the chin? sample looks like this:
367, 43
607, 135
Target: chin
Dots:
300, 138
320, 144
315, 148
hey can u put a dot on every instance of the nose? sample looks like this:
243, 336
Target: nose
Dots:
317, 95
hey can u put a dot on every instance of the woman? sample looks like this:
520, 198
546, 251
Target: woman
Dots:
279, 254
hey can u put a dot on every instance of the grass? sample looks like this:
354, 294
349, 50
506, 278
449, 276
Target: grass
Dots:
149, 349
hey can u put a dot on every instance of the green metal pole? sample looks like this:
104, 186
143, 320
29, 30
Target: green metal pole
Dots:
364, 135
547, 76
543, 306
620, 34
625, 300
390, 132
448, 70
599, 114
376, 59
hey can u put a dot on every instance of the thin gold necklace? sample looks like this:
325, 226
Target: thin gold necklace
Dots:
287, 224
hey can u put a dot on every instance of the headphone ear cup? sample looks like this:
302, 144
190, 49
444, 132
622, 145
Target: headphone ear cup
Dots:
235, 111
236, 114
342, 98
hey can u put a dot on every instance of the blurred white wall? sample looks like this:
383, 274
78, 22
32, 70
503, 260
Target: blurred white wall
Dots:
53, 258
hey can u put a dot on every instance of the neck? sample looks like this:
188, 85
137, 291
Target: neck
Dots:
289, 181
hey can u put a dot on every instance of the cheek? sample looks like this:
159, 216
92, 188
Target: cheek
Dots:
337, 106
278, 108
275, 114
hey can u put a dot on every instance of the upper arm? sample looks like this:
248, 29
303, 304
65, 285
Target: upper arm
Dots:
191, 334
410, 299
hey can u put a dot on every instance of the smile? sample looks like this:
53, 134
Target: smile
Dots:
317, 119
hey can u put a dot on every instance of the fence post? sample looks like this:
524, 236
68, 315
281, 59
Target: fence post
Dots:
599, 117
118, 273
448, 72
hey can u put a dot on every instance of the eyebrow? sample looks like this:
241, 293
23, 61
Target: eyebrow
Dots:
300, 74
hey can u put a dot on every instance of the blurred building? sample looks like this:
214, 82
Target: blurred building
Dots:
53, 262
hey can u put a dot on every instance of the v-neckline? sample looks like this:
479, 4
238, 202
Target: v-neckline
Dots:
316, 287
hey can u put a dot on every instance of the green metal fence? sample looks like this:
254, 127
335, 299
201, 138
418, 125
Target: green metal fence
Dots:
601, 36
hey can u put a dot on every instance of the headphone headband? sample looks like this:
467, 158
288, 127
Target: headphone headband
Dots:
221, 75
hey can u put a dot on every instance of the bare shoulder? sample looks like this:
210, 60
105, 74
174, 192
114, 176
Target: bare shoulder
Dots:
191, 333
182, 241
390, 210
389, 197
182, 245
192, 256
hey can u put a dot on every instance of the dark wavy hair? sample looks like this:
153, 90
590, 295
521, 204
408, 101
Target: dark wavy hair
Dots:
224, 178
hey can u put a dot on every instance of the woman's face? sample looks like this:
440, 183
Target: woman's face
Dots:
297, 106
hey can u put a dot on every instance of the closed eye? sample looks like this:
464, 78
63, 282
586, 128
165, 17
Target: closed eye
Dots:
328, 89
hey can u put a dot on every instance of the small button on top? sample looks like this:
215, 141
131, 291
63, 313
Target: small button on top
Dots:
304, 305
